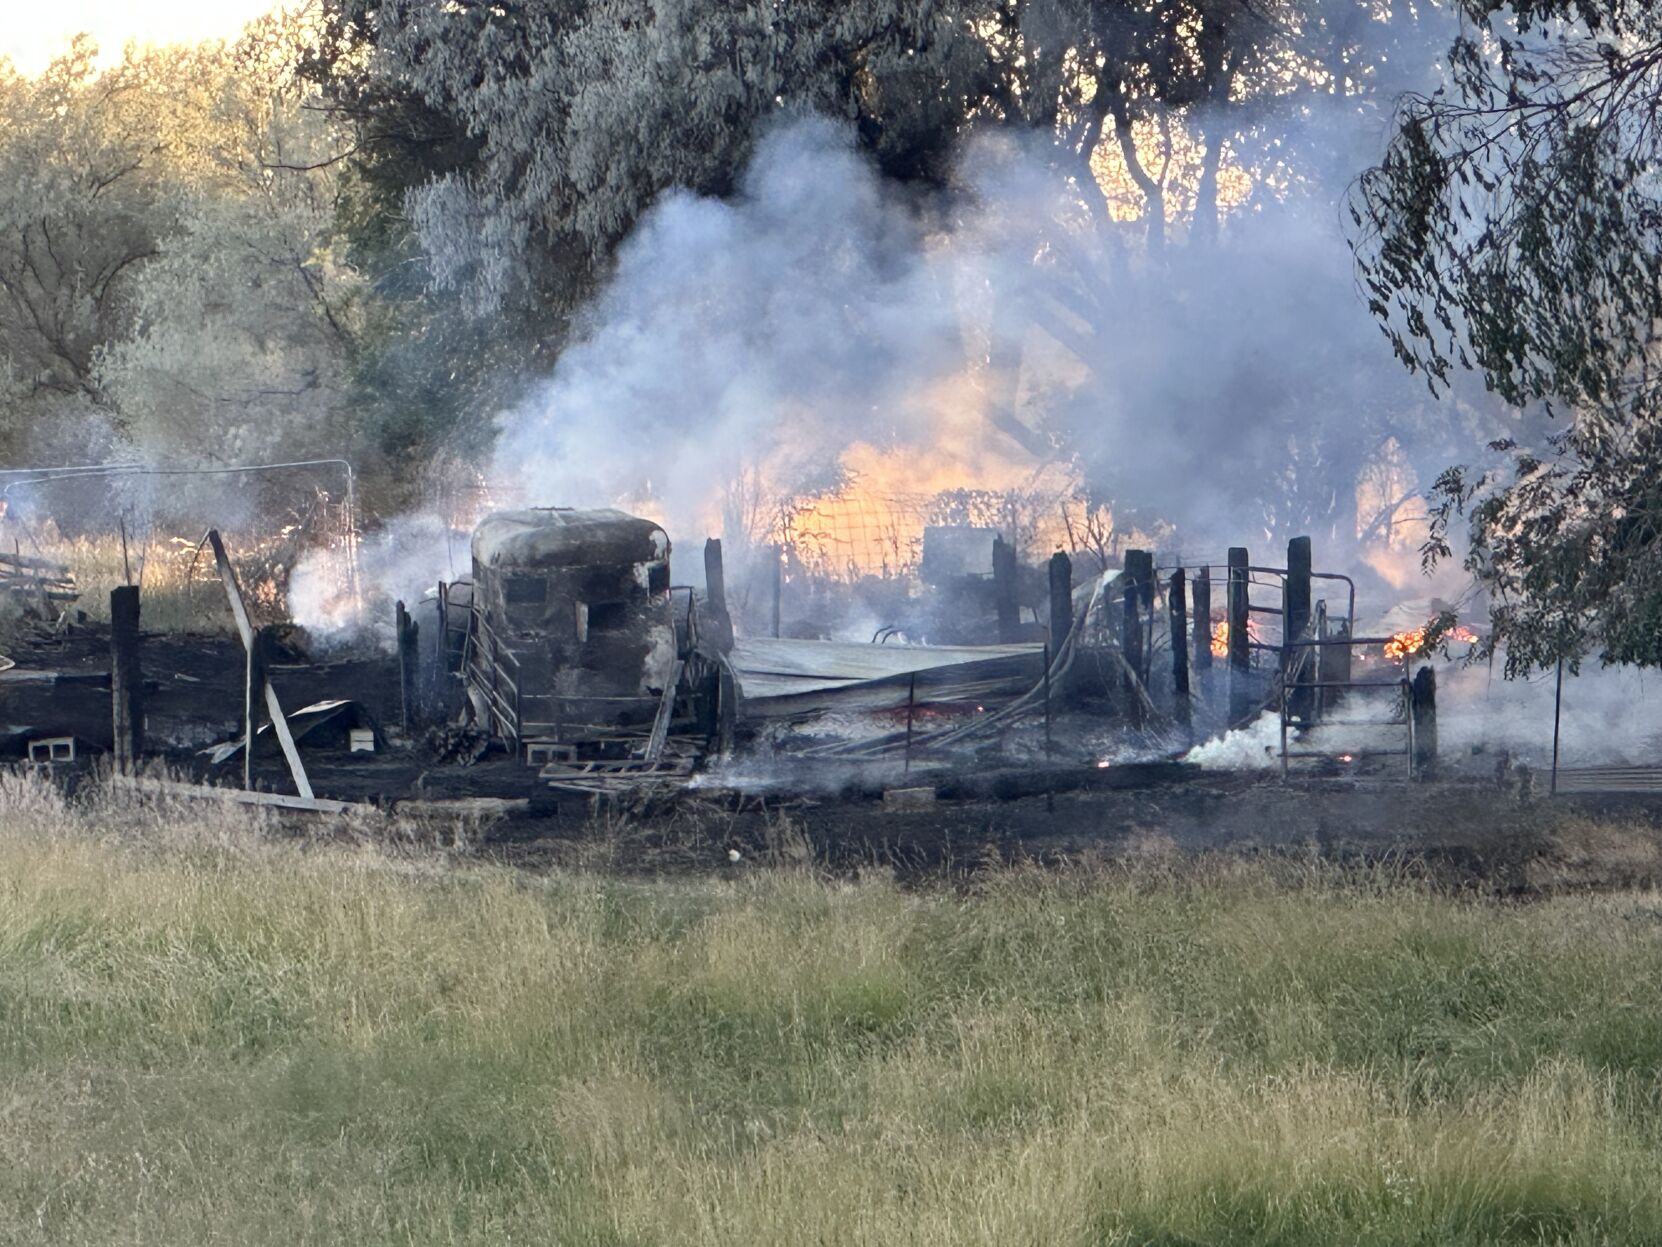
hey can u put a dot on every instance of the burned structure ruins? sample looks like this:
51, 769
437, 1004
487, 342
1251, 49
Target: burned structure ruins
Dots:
571, 665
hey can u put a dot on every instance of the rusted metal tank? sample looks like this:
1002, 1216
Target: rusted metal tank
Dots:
572, 637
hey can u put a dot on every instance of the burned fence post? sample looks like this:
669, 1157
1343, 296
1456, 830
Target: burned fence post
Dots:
715, 596
1061, 600
408, 633
1004, 591
126, 679
1176, 600
1203, 621
1131, 646
1240, 653
1296, 657
1423, 707
1139, 567
254, 686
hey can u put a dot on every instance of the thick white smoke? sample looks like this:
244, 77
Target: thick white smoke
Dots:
812, 311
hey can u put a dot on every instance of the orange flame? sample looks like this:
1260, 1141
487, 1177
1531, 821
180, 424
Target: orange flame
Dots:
1402, 644
1220, 636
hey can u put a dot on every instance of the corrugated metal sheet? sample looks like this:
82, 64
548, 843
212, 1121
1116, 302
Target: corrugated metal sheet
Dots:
781, 676
1610, 779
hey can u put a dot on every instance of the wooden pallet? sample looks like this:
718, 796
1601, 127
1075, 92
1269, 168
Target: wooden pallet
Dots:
630, 775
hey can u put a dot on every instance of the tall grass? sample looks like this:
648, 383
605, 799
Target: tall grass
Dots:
181, 588
211, 1033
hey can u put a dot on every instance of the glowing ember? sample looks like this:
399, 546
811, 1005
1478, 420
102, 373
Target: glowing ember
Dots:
1402, 644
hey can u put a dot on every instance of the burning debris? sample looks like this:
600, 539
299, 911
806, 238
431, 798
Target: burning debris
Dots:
1415, 640
567, 662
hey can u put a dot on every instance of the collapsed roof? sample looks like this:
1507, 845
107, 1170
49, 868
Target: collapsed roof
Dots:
548, 537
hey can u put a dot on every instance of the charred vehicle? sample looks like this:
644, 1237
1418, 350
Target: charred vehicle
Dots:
572, 637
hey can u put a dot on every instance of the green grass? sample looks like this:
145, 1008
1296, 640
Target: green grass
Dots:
209, 1033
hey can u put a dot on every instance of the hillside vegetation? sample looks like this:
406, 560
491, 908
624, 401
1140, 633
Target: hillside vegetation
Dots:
213, 1033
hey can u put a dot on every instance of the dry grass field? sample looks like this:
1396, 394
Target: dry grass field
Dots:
212, 1031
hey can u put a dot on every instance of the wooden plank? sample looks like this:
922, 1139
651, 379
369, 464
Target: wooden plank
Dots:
29, 563
666, 709
242, 796
245, 629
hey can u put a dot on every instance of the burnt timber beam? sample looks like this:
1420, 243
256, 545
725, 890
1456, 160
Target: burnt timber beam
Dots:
1005, 591
1203, 620
1240, 694
1061, 601
126, 679
715, 596
256, 675
1296, 622
1176, 600
1423, 707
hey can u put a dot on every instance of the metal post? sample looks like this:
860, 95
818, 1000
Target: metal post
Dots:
1557, 708
911, 706
1047, 700
778, 583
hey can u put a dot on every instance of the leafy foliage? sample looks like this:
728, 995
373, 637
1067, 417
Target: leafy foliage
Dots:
1515, 227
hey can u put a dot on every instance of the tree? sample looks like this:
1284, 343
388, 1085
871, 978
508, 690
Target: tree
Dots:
520, 143
1515, 227
246, 319
84, 196
559, 124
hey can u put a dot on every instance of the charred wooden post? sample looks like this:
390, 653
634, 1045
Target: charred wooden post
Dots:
126, 679
1004, 591
1139, 567
1298, 659
1423, 706
408, 633
1203, 621
715, 596
1176, 600
1240, 653
1061, 600
254, 688
1131, 647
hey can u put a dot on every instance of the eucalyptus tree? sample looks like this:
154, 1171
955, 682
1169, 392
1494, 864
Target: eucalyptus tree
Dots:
1515, 228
